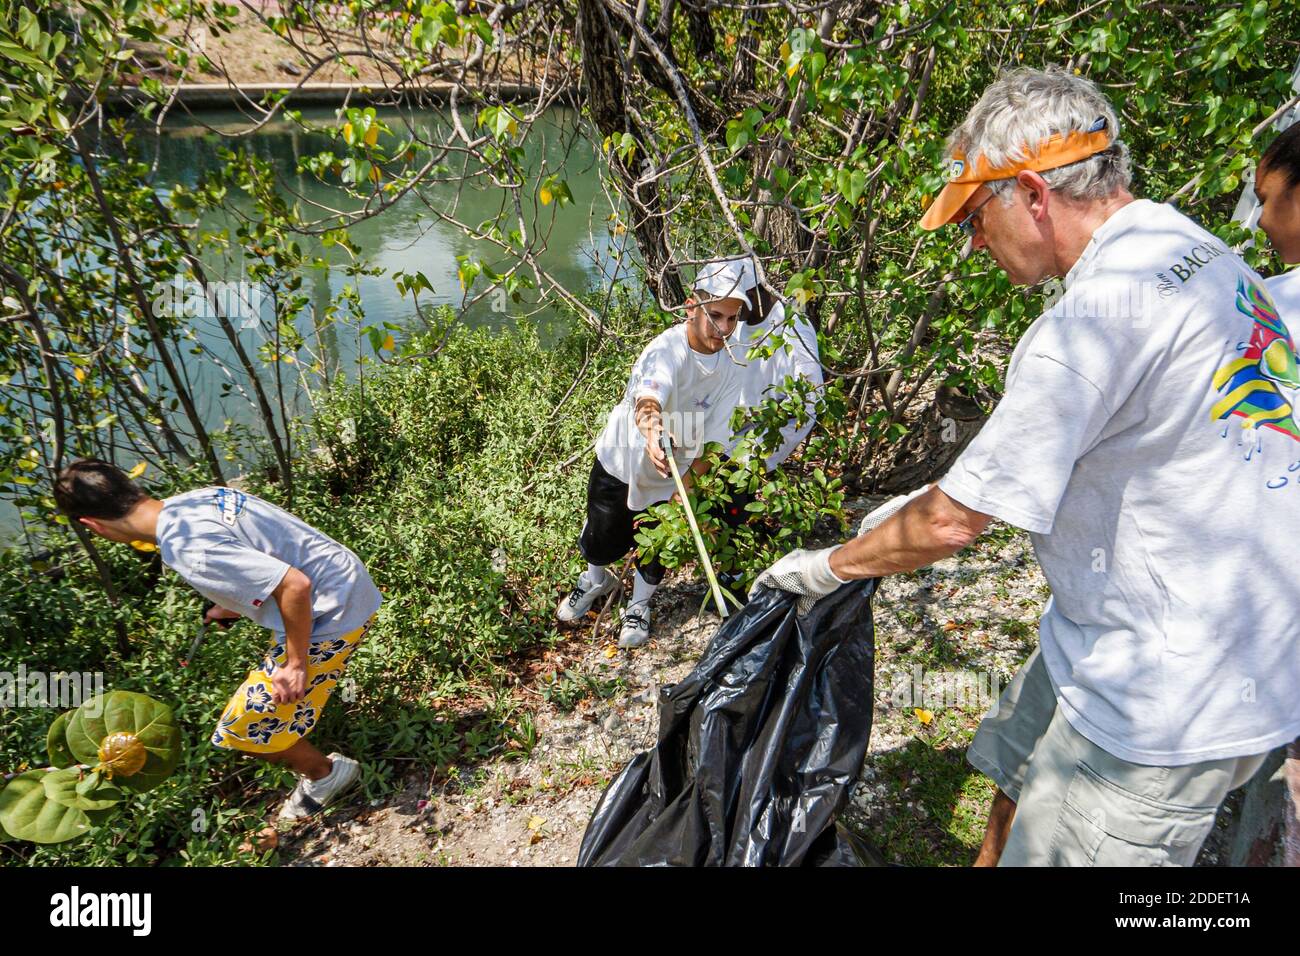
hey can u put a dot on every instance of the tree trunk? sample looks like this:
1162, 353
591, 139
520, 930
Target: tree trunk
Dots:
740, 82
602, 73
941, 433
700, 29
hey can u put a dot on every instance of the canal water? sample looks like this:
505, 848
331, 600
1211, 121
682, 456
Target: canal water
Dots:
572, 244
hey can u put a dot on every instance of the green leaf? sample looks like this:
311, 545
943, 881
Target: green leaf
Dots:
815, 64
851, 183
26, 813
90, 792
627, 146
29, 28
56, 741
737, 135
121, 711
12, 52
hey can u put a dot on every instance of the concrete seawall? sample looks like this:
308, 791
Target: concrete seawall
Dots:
227, 95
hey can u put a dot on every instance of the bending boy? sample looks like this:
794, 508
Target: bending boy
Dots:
254, 560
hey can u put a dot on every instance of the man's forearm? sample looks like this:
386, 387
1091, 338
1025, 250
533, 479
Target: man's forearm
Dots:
928, 529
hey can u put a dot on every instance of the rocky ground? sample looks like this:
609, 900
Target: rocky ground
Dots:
947, 640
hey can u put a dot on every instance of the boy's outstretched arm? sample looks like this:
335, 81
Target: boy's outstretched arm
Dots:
216, 614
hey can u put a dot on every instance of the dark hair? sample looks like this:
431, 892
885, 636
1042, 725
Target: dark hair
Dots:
91, 488
758, 303
1283, 155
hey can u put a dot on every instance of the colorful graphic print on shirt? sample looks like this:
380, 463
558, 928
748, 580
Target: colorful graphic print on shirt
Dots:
1253, 384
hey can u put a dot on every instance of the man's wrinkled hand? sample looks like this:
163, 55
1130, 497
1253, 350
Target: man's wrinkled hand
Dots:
804, 573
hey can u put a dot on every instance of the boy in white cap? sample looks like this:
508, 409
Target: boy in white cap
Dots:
684, 384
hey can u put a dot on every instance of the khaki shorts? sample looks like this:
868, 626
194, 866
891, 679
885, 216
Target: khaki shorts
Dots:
1076, 805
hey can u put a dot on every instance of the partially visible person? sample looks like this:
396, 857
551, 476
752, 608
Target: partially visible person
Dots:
685, 384
1277, 187
764, 377
254, 560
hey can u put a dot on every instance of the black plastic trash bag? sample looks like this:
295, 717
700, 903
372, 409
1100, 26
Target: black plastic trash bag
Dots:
758, 747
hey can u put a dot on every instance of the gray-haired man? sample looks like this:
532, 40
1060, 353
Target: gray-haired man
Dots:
1145, 439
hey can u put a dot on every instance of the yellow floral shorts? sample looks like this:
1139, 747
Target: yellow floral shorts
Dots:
252, 723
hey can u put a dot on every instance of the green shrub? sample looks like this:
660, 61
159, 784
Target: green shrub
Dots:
428, 490
457, 472
788, 502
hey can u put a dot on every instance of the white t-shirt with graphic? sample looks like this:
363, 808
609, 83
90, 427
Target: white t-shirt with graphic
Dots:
697, 394
1147, 440
762, 377
234, 549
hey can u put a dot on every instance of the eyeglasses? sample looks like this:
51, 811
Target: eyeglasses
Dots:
967, 225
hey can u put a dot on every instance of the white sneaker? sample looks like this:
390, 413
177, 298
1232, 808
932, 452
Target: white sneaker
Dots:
583, 596
636, 626
312, 796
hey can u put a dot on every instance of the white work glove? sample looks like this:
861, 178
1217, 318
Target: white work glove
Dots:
888, 510
804, 573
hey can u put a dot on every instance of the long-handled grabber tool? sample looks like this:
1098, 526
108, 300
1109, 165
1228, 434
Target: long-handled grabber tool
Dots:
666, 443
194, 647
202, 633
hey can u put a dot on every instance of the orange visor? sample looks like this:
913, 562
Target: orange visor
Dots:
964, 179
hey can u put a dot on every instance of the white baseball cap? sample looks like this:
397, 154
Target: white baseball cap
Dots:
726, 279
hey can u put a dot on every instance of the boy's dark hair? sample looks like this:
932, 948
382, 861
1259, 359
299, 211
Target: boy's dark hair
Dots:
91, 488
758, 303
1283, 155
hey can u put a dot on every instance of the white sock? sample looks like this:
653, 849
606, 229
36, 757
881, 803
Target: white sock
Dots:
642, 590
594, 574
313, 785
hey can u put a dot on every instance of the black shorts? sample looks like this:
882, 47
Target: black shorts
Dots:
610, 533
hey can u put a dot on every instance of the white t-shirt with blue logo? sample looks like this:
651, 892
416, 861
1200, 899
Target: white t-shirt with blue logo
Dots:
697, 394
1148, 438
234, 549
